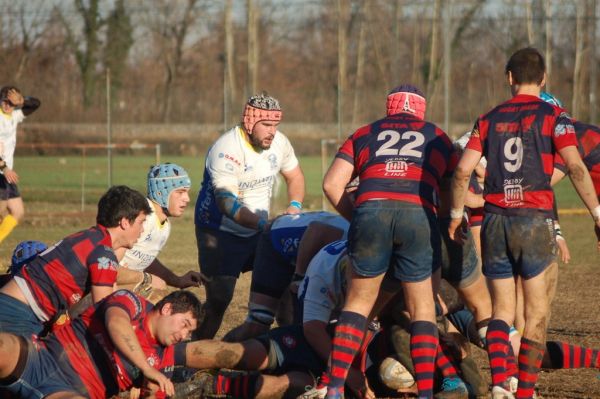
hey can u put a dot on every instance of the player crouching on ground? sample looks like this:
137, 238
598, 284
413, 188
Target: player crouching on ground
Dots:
23, 253
122, 342
141, 270
38, 296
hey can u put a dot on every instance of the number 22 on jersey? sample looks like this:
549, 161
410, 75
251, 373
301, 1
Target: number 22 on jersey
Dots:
410, 146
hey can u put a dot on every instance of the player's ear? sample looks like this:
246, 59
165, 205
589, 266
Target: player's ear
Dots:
124, 223
509, 77
543, 83
166, 310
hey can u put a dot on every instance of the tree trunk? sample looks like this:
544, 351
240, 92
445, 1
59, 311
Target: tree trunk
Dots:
593, 65
342, 12
579, 49
433, 53
229, 62
360, 66
549, 49
252, 48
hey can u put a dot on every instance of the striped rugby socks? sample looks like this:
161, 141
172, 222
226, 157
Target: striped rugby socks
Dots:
349, 333
423, 351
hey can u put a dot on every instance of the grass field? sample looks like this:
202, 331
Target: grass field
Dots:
51, 188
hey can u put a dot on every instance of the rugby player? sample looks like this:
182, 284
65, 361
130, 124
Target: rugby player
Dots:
23, 253
400, 161
13, 110
140, 269
288, 237
122, 342
38, 296
519, 139
234, 200
291, 356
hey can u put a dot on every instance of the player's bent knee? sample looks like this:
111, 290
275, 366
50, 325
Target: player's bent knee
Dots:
260, 314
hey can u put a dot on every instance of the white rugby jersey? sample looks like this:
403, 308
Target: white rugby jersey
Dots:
287, 230
323, 289
234, 165
8, 135
153, 238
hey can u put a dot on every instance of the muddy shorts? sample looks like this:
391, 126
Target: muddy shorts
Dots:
289, 351
517, 245
460, 263
395, 235
224, 254
272, 272
41, 375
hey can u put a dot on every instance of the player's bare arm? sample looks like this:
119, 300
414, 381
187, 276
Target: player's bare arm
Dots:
316, 236
189, 279
118, 325
460, 186
334, 185
295, 189
99, 292
580, 177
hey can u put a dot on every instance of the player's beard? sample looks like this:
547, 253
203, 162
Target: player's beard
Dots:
256, 143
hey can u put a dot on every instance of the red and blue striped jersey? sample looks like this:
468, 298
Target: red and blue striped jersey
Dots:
588, 143
400, 158
86, 355
475, 214
519, 139
63, 274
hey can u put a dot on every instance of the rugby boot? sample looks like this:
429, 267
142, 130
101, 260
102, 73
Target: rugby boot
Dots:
201, 385
501, 392
315, 392
453, 388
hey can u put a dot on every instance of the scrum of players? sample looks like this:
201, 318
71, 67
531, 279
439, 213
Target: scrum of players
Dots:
435, 246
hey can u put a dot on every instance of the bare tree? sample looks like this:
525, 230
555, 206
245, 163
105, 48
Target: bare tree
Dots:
170, 22
87, 54
230, 78
549, 49
360, 67
434, 50
119, 39
593, 65
579, 53
343, 14
32, 17
253, 46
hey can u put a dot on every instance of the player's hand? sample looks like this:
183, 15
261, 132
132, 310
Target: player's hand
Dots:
11, 176
456, 230
357, 383
164, 384
134, 393
15, 98
563, 248
192, 279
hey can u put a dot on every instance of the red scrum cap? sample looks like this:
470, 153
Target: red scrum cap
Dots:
406, 99
261, 107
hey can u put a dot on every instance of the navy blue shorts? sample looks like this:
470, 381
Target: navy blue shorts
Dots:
460, 263
41, 377
517, 245
395, 235
8, 190
18, 318
289, 351
272, 272
224, 254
